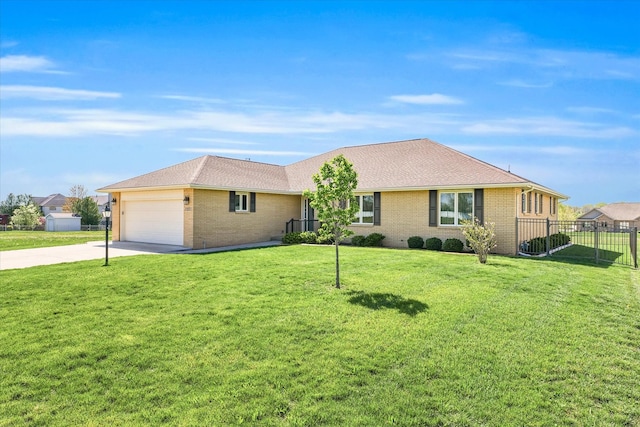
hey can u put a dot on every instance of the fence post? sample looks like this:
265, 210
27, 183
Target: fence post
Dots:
633, 237
548, 236
517, 241
596, 243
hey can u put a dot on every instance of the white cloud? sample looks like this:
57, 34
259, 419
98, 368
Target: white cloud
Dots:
526, 85
46, 93
561, 150
8, 43
590, 110
194, 99
244, 152
433, 99
565, 64
87, 122
222, 141
34, 64
76, 122
548, 126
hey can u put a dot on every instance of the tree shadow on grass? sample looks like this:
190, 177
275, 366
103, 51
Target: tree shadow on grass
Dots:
377, 301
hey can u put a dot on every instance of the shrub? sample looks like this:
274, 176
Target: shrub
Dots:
559, 239
480, 238
415, 242
308, 237
358, 240
452, 245
538, 245
292, 238
374, 239
433, 244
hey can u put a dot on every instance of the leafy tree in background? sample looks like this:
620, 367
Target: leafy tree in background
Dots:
334, 202
87, 208
76, 193
13, 202
26, 216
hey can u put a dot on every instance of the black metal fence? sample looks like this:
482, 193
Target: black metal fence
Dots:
298, 225
577, 239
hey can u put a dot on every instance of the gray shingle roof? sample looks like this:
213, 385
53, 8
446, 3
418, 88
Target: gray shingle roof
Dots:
418, 163
211, 172
51, 200
616, 211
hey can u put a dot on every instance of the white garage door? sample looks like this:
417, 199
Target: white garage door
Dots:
153, 221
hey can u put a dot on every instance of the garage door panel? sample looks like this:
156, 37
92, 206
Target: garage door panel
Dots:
153, 221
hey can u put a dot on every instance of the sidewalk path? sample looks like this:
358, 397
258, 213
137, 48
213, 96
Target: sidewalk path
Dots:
25, 258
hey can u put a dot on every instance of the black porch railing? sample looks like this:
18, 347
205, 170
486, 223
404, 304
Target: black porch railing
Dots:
298, 225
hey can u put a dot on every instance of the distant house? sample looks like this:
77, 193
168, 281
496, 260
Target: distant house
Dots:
406, 188
62, 222
616, 216
101, 201
53, 203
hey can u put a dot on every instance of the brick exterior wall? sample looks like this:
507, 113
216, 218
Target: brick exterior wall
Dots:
212, 225
406, 213
527, 231
500, 208
115, 217
208, 222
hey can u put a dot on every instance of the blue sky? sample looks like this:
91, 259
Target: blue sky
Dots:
94, 92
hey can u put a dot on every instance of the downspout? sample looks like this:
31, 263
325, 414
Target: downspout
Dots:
518, 212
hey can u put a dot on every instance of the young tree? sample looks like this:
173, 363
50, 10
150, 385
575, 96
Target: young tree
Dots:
334, 202
27, 216
13, 202
76, 193
481, 238
87, 208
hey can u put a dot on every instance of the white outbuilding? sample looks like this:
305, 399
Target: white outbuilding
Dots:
62, 222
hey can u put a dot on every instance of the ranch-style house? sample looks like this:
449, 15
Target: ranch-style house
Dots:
407, 188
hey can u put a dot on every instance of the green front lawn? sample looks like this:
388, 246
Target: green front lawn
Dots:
260, 337
12, 240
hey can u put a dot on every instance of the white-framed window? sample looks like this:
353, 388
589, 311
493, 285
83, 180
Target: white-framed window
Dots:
623, 225
364, 215
524, 202
242, 202
455, 207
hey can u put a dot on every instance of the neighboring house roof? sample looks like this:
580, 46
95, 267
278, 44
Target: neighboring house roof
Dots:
100, 200
62, 216
51, 200
402, 165
615, 211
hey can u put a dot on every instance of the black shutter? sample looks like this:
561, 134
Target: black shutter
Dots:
433, 208
478, 201
232, 201
376, 208
252, 202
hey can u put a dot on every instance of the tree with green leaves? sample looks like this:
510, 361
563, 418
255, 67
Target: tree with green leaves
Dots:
334, 202
13, 202
26, 216
76, 193
87, 209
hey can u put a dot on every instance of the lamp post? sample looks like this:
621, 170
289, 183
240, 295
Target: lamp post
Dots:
106, 215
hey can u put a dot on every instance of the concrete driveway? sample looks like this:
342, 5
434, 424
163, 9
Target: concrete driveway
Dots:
92, 250
25, 258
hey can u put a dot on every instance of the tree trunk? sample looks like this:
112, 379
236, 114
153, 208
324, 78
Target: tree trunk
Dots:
337, 267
